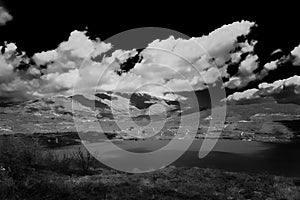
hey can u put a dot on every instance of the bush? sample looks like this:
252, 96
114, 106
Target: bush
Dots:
18, 156
79, 161
83, 159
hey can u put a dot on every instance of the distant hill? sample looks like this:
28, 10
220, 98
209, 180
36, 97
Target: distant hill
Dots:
258, 119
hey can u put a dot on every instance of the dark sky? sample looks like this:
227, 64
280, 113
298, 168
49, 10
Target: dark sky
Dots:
42, 25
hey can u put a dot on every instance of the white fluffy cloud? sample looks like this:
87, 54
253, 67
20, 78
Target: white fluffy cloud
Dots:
294, 57
283, 91
200, 60
220, 41
279, 85
59, 74
271, 65
286, 90
81, 46
239, 81
6, 70
248, 65
245, 73
210, 76
45, 56
10, 47
166, 65
296, 53
170, 64
247, 94
57, 82
217, 44
4, 16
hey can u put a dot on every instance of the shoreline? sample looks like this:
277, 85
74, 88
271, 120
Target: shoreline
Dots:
78, 139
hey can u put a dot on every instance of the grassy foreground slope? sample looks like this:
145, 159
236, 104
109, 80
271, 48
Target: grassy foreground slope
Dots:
169, 183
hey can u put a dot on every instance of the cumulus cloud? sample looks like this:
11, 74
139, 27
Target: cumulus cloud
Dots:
4, 16
296, 55
6, 70
271, 65
290, 60
81, 46
240, 69
217, 44
56, 82
249, 64
296, 51
279, 85
211, 75
247, 94
52, 72
245, 73
10, 47
239, 82
15, 83
172, 64
176, 64
283, 91
201, 60
249, 68
45, 56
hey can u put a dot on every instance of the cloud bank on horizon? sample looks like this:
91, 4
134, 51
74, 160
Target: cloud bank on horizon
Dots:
283, 91
226, 55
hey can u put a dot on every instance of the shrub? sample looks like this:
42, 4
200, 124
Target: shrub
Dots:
84, 159
18, 156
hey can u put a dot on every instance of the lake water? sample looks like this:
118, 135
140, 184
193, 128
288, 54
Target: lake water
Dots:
230, 155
